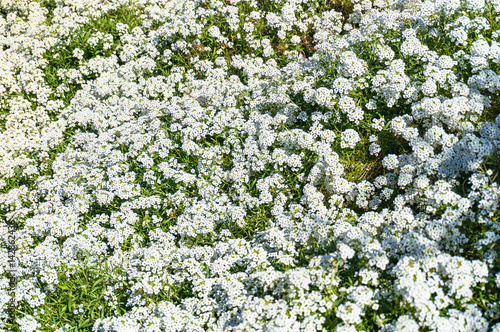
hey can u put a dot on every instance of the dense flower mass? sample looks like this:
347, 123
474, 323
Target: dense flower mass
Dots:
247, 165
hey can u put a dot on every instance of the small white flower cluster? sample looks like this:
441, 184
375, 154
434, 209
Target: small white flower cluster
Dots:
349, 138
28, 324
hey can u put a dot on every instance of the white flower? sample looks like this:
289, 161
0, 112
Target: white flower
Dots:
346, 104
295, 39
214, 32
404, 324
429, 88
28, 323
497, 279
371, 105
374, 149
350, 313
495, 328
349, 138
390, 162
78, 53
345, 252
248, 27
459, 35
384, 52
475, 4
342, 85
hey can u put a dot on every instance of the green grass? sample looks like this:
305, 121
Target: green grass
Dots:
84, 285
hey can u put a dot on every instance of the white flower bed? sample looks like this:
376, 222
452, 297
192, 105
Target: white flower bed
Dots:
251, 165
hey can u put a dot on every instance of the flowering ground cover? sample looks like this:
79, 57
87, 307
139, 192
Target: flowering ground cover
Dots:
262, 165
